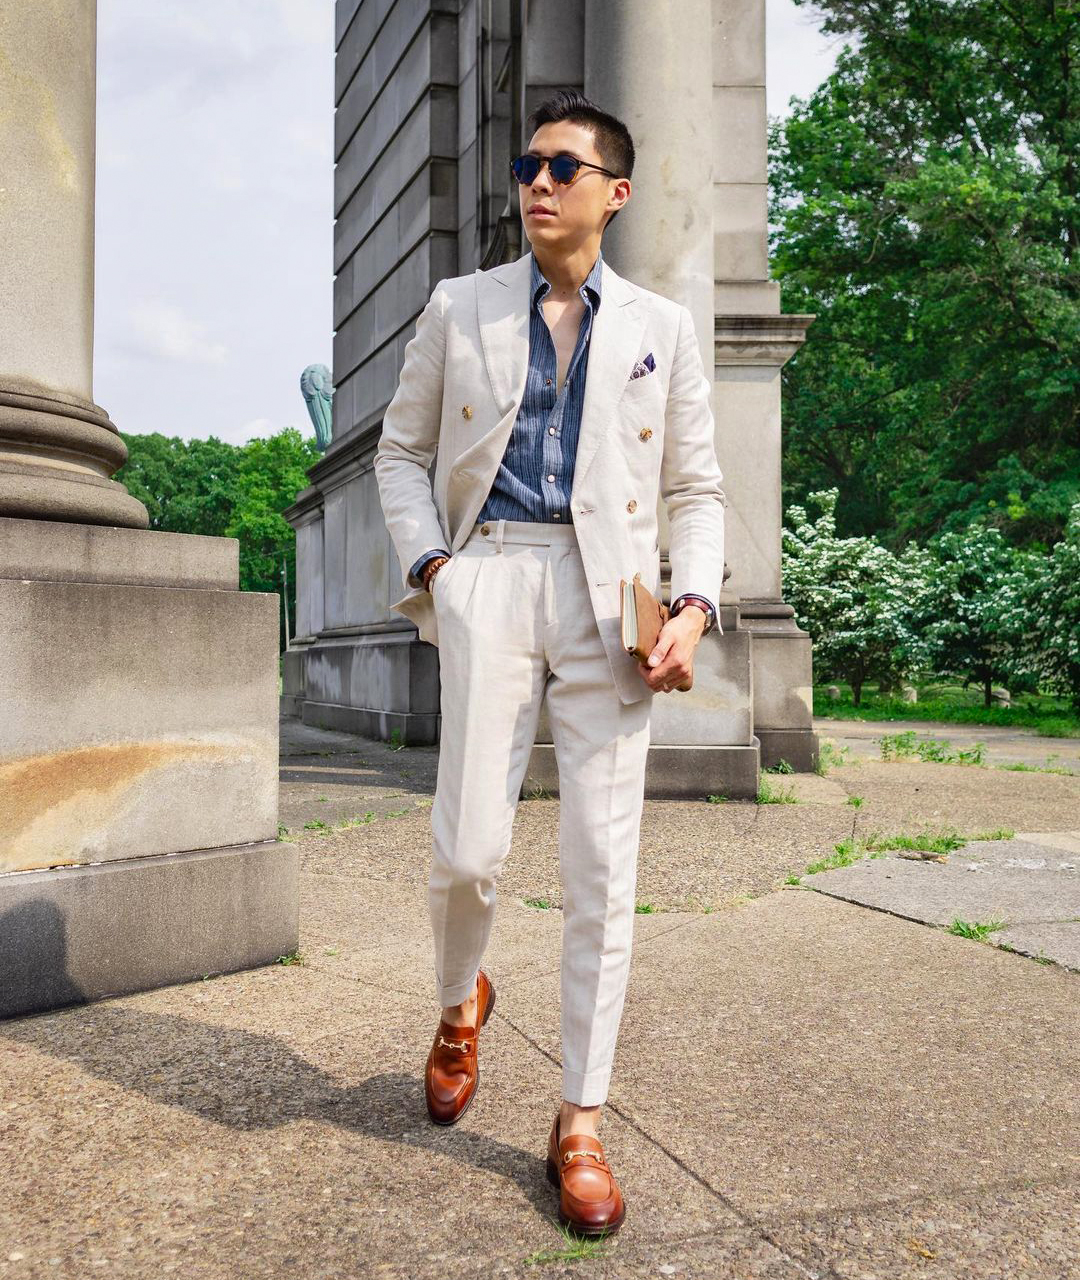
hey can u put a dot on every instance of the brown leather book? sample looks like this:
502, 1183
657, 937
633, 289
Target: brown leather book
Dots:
641, 617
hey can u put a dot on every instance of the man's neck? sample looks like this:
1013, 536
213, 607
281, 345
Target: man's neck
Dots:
566, 275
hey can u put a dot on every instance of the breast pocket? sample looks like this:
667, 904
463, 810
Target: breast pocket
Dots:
645, 393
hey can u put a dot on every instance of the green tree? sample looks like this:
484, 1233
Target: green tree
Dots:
925, 207
230, 491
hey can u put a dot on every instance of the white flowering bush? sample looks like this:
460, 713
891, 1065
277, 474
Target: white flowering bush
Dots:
1039, 615
968, 606
962, 603
861, 603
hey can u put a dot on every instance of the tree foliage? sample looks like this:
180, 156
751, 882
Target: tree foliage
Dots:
226, 491
925, 207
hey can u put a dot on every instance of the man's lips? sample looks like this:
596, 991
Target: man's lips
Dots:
539, 211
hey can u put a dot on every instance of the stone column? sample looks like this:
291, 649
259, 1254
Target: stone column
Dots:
58, 449
656, 76
139, 841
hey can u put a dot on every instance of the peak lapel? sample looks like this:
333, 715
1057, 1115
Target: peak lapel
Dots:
613, 351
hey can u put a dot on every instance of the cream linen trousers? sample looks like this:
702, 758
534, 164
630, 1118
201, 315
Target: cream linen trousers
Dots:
516, 626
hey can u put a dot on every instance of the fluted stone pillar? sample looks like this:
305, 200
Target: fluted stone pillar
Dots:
652, 66
655, 74
58, 449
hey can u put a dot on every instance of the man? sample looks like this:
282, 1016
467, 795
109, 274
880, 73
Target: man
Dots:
561, 401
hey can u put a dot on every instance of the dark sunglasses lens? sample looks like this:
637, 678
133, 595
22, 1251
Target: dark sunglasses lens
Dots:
563, 168
525, 168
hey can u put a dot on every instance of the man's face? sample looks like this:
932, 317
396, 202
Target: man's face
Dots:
578, 211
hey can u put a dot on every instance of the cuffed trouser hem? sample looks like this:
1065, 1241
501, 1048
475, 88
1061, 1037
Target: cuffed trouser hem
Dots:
458, 993
586, 1088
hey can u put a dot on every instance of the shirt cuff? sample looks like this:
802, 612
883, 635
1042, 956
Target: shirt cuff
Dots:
695, 597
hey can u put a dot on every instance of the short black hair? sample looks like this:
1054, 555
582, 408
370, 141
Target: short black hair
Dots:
611, 137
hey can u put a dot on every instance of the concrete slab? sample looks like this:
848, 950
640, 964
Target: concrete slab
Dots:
819, 1058
1008, 881
1025, 1230
1067, 841
1059, 942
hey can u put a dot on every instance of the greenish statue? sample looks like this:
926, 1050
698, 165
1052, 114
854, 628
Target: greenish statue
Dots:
317, 390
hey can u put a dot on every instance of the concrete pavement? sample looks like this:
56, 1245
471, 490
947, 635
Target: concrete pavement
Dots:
804, 1086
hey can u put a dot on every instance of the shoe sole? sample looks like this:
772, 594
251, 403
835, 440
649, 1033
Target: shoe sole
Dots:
608, 1229
476, 1088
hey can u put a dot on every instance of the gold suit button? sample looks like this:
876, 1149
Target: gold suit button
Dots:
644, 433
631, 505
466, 410
485, 529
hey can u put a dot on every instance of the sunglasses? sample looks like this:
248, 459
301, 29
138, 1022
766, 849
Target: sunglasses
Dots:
563, 168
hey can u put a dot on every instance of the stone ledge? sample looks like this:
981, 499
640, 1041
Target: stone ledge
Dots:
76, 934
59, 551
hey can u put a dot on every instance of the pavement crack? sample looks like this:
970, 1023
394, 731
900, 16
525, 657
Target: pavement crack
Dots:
746, 1220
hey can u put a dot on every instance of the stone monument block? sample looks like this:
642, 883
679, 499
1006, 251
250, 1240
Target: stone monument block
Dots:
138, 764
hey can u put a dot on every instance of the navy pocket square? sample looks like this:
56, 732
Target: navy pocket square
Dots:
643, 367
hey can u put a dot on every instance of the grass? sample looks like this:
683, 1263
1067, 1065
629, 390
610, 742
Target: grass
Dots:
1039, 768
782, 766
768, 794
541, 904
902, 746
574, 1247
829, 755
853, 850
293, 957
1051, 717
646, 909
977, 930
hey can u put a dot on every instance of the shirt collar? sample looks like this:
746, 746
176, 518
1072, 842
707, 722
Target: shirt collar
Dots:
590, 290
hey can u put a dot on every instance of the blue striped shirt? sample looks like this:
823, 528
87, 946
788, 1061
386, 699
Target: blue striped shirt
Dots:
536, 473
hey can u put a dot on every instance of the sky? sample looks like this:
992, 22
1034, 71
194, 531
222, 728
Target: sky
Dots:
214, 205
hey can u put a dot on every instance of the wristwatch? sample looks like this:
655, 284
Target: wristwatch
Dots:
702, 603
438, 562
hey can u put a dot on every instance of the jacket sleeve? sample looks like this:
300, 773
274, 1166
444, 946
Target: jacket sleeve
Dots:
690, 474
410, 437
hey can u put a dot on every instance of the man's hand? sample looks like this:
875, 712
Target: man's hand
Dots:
672, 660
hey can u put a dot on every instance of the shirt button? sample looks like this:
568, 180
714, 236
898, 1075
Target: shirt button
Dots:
645, 433
631, 505
547, 381
551, 477
551, 431
555, 515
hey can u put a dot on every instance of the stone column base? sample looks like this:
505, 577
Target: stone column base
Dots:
376, 681
57, 452
671, 773
75, 934
799, 747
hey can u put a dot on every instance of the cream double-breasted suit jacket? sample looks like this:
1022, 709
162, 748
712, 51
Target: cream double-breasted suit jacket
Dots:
460, 388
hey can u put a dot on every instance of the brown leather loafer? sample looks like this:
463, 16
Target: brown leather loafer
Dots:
590, 1202
452, 1073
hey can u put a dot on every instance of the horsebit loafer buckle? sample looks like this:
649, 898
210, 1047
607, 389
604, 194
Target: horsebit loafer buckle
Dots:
569, 1155
463, 1045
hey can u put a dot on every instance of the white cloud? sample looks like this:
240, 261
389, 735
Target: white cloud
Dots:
161, 329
